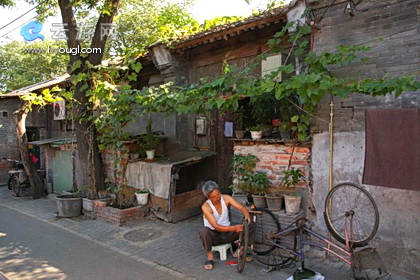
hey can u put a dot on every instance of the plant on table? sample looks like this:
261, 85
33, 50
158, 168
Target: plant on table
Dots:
150, 140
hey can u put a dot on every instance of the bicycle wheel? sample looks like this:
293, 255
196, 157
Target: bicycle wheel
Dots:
265, 251
16, 187
243, 247
9, 182
351, 207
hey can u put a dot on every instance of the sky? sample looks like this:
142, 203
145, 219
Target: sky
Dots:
203, 9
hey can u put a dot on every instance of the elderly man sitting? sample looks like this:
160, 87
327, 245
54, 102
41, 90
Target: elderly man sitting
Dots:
217, 228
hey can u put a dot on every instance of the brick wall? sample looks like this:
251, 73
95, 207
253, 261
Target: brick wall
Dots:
274, 158
8, 140
115, 215
390, 28
111, 169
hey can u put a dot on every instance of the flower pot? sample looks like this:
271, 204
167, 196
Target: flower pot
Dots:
87, 204
274, 202
102, 194
259, 201
150, 154
292, 204
267, 131
256, 135
239, 134
69, 206
142, 198
240, 197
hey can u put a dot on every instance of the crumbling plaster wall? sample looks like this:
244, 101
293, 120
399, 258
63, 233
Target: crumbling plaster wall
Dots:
391, 28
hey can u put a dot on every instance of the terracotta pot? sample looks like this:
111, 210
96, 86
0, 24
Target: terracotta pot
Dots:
239, 134
292, 204
240, 197
259, 201
274, 202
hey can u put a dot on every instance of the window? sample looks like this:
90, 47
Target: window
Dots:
270, 64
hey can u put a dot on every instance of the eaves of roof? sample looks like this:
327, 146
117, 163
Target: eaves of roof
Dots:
61, 80
233, 29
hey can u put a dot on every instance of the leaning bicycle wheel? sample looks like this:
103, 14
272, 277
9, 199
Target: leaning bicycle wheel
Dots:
350, 208
265, 249
9, 182
243, 246
16, 187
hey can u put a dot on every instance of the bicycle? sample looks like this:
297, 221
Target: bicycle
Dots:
351, 216
243, 246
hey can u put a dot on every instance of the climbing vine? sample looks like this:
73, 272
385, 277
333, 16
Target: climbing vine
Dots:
305, 90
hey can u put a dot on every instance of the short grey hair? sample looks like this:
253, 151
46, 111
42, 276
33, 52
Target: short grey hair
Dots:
208, 187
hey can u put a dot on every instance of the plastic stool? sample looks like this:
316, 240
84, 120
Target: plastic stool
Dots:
222, 249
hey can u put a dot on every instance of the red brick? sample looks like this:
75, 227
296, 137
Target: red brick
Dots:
299, 162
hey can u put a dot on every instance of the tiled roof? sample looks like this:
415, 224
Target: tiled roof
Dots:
232, 29
38, 86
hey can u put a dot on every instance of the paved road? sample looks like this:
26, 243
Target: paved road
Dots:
31, 249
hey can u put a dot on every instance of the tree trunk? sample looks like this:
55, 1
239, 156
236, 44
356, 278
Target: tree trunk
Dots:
37, 184
89, 160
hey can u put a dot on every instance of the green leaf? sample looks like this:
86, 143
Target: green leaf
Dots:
132, 77
137, 67
76, 65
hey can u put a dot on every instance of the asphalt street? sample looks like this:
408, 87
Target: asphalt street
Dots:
31, 249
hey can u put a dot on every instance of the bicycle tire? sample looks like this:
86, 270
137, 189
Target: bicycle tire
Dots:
16, 187
243, 247
267, 225
348, 199
9, 182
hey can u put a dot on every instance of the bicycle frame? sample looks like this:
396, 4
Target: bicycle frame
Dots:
345, 255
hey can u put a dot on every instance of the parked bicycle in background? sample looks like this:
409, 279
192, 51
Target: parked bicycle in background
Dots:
18, 181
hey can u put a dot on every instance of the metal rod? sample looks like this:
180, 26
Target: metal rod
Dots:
331, 134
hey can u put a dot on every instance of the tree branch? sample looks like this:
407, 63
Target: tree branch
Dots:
99, 38
71, 30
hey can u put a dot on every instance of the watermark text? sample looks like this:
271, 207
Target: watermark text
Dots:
72, 51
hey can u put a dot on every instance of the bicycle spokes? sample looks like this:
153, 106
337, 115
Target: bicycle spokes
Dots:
350, 210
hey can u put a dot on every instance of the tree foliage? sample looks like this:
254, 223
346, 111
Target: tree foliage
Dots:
23, 64
308, 88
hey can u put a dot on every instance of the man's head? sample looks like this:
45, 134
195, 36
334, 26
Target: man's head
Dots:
211, 190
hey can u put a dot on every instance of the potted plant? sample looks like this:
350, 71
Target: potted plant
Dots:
256, 131
142, 196
291, 179
239, 126
260, 183
69, 204
150, 141
242, 168
274, 201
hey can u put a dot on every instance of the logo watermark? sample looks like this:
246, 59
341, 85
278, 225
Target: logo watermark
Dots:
32, 31
72, 51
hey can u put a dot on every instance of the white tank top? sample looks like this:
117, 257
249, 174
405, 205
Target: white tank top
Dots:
221, 219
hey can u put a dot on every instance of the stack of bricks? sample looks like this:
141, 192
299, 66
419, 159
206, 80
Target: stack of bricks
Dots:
115, 215
274, 159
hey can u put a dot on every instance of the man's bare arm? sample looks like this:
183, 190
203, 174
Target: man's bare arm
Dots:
231, 201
